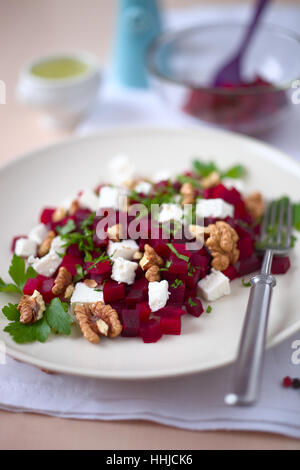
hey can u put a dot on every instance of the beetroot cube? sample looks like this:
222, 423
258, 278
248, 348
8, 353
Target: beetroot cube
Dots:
100, 268
193, 277
201, 263
177, 294
180, 247
161, 248
170, 311
143, 311
46, 215
190, 293
32, 285
81, 214
46, 290
194, 306
134, 296
130, 322
70, 263
141, 284
170, 326
150, 331
249, 265
112, 291
178, 266
73, 250
280, 264
231, 272
245, 246
14, 240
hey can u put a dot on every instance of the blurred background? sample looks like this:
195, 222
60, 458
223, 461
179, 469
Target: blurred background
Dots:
179, 90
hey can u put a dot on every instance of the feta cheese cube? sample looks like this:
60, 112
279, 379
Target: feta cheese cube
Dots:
25, 247
214, 208
124, 249
158, 294
170, 212
57, 246
112, 197
47, 265
121, 169
236, 183
162, 175
124, 270
214, 285
85, 295
143, 187
89, 200
38, 233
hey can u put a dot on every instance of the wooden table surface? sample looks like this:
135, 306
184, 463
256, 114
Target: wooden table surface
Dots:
30, 28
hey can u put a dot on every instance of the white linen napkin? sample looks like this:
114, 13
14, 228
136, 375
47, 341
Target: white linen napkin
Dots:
195, 402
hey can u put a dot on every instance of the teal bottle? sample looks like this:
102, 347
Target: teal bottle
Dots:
138, 24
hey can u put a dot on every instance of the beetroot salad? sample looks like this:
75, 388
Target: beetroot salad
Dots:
133, 256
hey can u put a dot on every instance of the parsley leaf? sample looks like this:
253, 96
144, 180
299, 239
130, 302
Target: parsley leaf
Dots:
80, 273
179, 255
57, 317
21, 333
237, 171
204, 169
11, 312
246, 284
67, 228
18, 273
103, 257
209, 309
7, 287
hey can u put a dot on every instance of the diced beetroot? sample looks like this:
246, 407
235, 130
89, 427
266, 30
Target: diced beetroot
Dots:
134, 296
193, 277
14, 240
70, 263
73, 250
81, 214
32, 285
170, 277
46, 215
177, 294
130, 322
61, 223
190, 293
141, 284
231, 272
170, 326
100, 242
170, 311
178, 266
248, 265
143, 311
201, 263
194, 306
150, 331
161, 248
245, 246
112, 291
46, 290
100, 268
280, 264
180, 247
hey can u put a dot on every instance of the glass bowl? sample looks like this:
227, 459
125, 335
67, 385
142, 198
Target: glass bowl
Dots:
183, 65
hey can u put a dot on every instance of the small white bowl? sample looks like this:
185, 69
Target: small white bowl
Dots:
64, 101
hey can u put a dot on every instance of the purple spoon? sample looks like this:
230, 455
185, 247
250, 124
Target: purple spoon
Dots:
230, 73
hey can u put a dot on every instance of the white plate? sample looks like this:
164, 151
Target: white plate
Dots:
46, 176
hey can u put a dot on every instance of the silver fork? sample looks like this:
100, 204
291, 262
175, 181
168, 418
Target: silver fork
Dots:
248, 366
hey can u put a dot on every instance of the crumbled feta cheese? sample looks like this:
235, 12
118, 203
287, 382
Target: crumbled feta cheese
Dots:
38, 233
25, 247
89, 200
214, 285
47, 265
121, 169
124, 270
158, 294
124, 249
162, 175
214, 208
143, 187
170, 212
112, 197
57, 245
85, 295
236, 183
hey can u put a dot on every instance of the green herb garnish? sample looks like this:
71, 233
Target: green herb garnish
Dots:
246, 284
166, 266
177, 283
179, 255
19, 275
204, 169
80, 273
208, 309
191, 302
237, 171
67, 228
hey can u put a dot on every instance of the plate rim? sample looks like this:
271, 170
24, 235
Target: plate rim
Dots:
277, 157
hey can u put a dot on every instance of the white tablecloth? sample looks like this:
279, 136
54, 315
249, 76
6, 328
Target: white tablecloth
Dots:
195, 402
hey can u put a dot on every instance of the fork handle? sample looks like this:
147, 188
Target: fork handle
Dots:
248, 366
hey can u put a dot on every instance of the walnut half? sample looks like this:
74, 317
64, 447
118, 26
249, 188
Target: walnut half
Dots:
98, 319
222, 243
31, 308
255, 205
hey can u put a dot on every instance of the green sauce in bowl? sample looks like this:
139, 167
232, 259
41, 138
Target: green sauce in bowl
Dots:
60, 68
